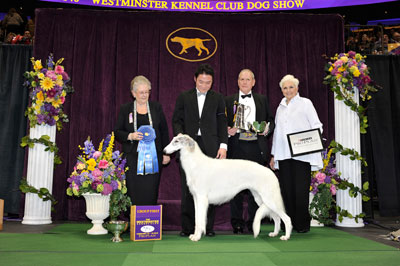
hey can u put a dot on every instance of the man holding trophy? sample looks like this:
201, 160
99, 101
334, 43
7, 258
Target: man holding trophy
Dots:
249, 123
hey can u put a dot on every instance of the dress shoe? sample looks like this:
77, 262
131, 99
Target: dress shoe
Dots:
183, 234
250, 230
210, 233
238, 230
302, 231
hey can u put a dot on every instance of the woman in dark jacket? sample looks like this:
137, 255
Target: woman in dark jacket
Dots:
135, 124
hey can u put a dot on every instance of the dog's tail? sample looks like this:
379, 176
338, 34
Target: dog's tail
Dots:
262, 211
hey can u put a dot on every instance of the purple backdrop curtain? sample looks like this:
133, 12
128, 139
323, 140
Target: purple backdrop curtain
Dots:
104, 50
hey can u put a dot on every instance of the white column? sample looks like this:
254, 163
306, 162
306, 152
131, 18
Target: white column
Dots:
40, 174
347, 133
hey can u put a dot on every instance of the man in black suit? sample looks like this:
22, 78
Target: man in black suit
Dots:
200, 113
244, 144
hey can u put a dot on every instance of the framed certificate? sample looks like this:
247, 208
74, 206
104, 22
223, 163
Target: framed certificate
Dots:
305, 142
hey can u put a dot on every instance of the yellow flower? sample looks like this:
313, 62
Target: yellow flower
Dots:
56, 118
37, 65
91, 164
80, 166
40, 96
63, 93
330, 69
47, 84
356, 73
59, 82
344, 59
338, 76
41, 75
37, 108
108, 152
56, 104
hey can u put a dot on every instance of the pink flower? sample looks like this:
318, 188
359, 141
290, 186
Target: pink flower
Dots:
107, 189
51, 74
62, 98
103, 164
333, 190
59, 69
97, 173
96, 154
320, 177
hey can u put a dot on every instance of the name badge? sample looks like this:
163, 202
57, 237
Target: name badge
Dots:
130, 118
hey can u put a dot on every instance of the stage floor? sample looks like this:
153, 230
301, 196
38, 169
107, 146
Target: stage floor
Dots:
376, 230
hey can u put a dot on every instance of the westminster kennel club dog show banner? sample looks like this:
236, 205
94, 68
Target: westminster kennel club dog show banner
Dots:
218, 6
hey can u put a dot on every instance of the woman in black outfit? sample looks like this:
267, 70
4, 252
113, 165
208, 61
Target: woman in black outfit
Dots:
142, 183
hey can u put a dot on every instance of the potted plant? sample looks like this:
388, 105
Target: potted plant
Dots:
99, 176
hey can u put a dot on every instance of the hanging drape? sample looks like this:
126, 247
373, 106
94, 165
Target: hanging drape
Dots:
14, 61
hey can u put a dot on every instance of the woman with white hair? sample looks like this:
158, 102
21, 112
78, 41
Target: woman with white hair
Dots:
142, 130
294, 114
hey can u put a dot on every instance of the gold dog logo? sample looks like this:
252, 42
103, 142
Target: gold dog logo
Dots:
191, 44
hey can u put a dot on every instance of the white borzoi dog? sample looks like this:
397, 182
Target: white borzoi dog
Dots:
213, 181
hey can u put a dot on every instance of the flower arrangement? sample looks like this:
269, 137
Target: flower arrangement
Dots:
350, 71
324, 185
49, 86
101, 171
345, 73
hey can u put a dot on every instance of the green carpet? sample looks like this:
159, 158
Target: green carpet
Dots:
68, 244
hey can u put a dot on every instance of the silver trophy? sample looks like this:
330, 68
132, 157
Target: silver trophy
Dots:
241, 113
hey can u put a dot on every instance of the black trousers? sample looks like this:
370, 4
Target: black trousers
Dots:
294, 180
187, 203
248, 150
142, 189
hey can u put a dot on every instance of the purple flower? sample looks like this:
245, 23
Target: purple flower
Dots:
50, 63
115, 155
106, 142
328, 179
352, 54
114, 185
40, 119
65, 76
89, 148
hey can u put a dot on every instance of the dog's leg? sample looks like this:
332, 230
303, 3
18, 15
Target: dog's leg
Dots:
276, 208
200, 208
275, 211
261, 212
277, 224
288, 225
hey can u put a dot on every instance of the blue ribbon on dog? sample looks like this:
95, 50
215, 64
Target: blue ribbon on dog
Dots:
147, 153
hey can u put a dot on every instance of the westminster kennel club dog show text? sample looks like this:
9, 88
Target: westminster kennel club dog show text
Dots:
215, 5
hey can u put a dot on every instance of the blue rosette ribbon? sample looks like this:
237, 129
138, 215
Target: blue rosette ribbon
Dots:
147, 153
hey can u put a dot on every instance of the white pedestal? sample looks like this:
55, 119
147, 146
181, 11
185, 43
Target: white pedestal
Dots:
40, 174
347, 133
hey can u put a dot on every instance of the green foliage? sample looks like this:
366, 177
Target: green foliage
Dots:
321, 206
42, 193
118, 202
347, 99
353, 154
45, 140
